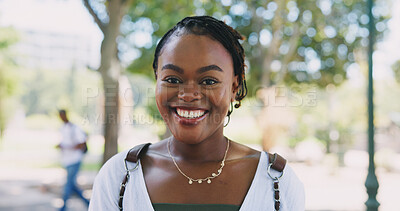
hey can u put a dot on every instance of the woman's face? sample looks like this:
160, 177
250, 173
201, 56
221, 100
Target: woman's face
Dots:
195, 84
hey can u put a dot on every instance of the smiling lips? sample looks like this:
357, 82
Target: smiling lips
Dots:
190, 114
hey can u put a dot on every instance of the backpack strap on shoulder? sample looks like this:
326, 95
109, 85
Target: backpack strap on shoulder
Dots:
134, 156
277, 163
136, 152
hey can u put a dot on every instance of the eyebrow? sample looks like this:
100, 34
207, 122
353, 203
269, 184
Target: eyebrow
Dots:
172, 67
200, 70
208, 68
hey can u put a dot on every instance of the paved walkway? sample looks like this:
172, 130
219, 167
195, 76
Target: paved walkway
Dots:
39, 189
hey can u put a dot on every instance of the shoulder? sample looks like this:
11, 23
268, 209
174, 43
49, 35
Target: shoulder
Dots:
156, 155
262, 192
290, 187
239, 151
114, 167
287, 176
107, 184
108, 180
292, 190
158, 150
292, 180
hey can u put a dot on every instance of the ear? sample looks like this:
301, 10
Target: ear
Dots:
235, 88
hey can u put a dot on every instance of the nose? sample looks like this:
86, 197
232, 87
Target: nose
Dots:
189, 93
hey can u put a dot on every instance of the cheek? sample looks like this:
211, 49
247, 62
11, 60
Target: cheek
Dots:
220, 98
163, 96
225, 94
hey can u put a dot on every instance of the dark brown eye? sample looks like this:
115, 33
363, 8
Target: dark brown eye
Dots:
209, 81
172, 80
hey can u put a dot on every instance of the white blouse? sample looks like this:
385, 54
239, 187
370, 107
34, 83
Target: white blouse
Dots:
260, 196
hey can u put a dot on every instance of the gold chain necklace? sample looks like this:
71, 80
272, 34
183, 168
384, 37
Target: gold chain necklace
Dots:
209, 178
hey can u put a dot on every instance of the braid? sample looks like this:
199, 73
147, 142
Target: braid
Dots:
218, 30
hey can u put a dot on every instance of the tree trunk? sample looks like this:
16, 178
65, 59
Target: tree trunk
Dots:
111, 117
110, 71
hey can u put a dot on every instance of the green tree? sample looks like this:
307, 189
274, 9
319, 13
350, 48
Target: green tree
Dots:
292, 42
108, 16
302, 41
288, 41
151, 19
112, 19
8, 37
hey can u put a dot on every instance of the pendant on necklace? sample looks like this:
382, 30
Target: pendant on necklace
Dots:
190, 182
208, 181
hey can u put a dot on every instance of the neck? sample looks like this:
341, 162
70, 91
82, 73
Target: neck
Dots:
209, 150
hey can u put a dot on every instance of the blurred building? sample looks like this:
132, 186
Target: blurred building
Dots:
52, 50
54, 34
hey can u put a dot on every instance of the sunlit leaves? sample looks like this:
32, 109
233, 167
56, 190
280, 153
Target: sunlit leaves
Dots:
300, 40
8, 80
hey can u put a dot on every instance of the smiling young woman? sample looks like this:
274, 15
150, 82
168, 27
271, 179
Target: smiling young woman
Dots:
195, 77
199, 67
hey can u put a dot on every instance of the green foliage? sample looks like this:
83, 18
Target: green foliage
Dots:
298, 43
287, 41
43, 121
46, 91
37, 96
337, 116
8, 78
311, 41
154, 18
8, 37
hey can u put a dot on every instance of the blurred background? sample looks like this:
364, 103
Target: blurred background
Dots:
307, 74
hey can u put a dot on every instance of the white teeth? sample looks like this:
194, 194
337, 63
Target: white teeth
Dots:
190, 114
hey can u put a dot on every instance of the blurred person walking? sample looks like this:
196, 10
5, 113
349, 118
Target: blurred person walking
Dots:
73, 147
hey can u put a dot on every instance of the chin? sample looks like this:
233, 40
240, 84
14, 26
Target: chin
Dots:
188, 137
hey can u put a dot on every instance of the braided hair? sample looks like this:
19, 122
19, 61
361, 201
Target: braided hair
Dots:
217, 30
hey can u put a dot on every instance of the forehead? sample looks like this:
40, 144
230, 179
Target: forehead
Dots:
195, 51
